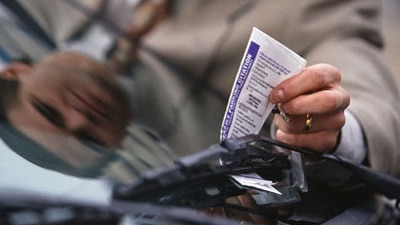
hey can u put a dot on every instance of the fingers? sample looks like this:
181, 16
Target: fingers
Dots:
247, 201
311, 79
321, 142
297, 124
13, 70
321, 102
315, 101
322, 136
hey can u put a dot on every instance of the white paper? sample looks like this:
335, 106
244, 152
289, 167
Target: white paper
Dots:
265, 63
253, 180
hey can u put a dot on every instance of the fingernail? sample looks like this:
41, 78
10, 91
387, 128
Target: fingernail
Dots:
280, 107
277, 96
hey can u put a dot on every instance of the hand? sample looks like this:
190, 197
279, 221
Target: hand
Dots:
143, 19
244, 200
315, 101
12, 69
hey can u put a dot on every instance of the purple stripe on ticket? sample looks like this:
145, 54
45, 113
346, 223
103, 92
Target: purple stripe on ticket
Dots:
240, 81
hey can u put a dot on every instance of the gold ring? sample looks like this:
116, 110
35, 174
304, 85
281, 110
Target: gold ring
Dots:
307, 127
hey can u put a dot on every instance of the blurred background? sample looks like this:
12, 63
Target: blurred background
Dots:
391, 30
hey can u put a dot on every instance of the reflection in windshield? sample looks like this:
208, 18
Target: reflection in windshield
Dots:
64, 154
71, 116
66, 132
66, 113
71, 94
83, 158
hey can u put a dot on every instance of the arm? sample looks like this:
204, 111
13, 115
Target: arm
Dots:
348, 38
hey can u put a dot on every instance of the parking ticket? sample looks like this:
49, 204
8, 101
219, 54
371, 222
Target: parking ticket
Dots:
265, 63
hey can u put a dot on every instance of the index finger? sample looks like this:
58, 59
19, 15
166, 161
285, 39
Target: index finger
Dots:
311, 79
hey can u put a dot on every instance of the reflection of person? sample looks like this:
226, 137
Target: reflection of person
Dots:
67, 93
53, 102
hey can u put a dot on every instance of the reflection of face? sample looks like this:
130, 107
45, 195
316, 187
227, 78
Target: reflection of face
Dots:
68, 93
